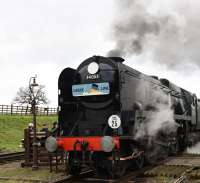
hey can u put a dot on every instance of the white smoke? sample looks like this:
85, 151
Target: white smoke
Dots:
159, 114
160, 119
194, 149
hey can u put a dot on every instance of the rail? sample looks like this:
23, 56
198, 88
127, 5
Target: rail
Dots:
4, 158
78, 179
182, 179
26, 110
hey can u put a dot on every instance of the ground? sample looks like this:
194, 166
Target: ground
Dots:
12, 130
13, 172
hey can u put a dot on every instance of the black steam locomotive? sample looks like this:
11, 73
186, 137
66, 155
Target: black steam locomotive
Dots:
112, 116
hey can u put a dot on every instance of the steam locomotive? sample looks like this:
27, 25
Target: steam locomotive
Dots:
108, 116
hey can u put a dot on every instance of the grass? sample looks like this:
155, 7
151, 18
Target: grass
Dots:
12, 129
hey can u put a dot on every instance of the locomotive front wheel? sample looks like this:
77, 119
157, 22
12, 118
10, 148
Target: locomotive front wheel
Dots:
74, 170
100, 171
72, 167
118, 169
150, 157
140, 161
174, 148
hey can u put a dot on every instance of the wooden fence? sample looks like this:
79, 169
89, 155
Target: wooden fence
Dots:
26, 110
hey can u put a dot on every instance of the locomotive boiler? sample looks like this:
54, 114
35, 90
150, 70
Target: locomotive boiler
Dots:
106, 109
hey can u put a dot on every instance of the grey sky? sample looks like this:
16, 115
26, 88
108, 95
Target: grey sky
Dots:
44, 37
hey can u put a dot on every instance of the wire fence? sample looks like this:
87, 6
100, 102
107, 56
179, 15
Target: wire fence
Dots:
26, 110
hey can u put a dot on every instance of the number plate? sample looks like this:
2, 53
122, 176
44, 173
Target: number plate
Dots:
93, 76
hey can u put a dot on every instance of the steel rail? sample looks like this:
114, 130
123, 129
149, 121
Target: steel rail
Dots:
7, 157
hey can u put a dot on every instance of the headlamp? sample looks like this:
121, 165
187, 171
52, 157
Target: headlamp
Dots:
51, 144
107, 144
93, 68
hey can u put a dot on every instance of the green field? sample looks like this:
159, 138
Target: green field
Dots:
12, 129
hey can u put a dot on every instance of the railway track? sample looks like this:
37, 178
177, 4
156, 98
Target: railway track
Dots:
90, 177
8, 157
76, 179
182, 179
180, 169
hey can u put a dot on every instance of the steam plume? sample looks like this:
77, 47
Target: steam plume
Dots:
160, 114
194, 149
169, 31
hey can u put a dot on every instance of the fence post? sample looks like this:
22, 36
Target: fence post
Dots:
11, 112
2, 109
26, 110
7, 109
21, 110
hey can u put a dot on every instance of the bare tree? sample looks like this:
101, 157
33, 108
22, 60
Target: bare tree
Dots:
25, 96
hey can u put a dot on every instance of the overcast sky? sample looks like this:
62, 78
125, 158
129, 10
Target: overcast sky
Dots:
44, 37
